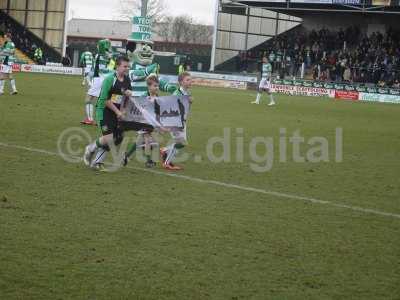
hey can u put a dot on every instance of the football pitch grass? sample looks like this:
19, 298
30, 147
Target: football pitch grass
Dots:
307, 230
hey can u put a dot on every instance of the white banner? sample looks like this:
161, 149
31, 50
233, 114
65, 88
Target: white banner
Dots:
220, 83
170, 78
51, 70
205, 81
6, 69
302, 91
373, 97
167, 111
312, 1
252, 79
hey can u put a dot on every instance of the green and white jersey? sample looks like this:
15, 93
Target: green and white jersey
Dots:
86, 59
7, 52
181, 92
266, 71
139, 86
169, 88
101, 66
138, 74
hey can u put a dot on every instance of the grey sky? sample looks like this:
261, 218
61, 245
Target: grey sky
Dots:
201, 10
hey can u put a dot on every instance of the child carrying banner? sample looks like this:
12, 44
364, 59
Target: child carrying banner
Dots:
145, 139
179, 135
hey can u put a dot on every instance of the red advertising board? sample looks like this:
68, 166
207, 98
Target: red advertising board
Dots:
7, 69
346, 95
16, 67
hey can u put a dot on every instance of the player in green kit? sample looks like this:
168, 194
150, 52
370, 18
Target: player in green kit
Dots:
86, 62
265, 83
7, 52
100, 70
114, 88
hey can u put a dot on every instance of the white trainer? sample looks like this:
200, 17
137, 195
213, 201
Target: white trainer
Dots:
88, 156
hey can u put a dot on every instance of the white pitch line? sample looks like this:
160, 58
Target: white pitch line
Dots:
231, 186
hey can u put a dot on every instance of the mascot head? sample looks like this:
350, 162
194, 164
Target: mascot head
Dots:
104, 48
140, 53
140, 46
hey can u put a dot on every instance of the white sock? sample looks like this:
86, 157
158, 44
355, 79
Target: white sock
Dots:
91, 110
100, 156
1, 86
258, 98
169, 148
171, 154
93, 147
271, 99
87, 110
140, 141
13, 86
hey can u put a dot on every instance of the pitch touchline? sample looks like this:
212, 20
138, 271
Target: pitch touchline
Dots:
231, 186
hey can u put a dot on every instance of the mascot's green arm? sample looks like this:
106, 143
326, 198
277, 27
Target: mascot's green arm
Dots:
167, 87
142, 74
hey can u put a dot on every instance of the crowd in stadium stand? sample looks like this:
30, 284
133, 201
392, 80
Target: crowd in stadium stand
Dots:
338, 56
22, 41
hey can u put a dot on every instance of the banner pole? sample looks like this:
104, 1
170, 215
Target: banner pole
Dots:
144, 8
215, 33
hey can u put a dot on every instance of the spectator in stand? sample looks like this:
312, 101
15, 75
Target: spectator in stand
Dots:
38, 56
315, 72
278, 61
347, 74
181, 68
271, 59
298, 65
66, 61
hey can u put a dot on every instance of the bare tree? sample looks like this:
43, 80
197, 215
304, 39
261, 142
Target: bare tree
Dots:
202, 34
155, 9
186, 30
164, 28
181, 29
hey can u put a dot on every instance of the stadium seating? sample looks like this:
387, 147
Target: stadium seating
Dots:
26, 41
249, 62
21, 57
346, 55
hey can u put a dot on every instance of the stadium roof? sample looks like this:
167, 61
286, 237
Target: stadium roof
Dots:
99, 28
111, 29
352, 6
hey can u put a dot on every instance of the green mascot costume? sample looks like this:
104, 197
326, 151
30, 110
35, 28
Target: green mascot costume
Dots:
140, 52
99, 71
